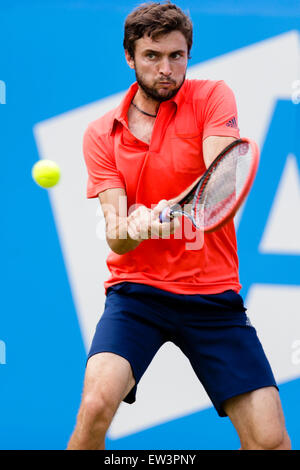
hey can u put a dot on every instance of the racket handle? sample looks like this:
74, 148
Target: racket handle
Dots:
164, 216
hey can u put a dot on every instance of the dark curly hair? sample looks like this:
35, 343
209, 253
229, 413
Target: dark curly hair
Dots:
155, 19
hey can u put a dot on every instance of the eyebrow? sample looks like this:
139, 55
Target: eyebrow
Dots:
179, 51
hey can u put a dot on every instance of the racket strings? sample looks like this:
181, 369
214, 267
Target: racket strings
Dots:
219, 191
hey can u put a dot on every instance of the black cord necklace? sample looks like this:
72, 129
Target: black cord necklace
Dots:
144, 112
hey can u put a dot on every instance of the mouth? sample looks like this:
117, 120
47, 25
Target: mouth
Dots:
165, 83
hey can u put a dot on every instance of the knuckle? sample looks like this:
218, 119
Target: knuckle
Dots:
162, 204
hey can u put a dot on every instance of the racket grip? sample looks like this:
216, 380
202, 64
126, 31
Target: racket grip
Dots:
164, 216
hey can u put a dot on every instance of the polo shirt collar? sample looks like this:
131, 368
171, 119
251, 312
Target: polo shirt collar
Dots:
181, 94
122, 109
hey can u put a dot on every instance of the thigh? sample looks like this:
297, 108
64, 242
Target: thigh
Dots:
129, 328
258, 417
108, 376
225, 353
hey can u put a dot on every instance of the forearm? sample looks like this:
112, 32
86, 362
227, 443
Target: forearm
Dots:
124, 234
118, 238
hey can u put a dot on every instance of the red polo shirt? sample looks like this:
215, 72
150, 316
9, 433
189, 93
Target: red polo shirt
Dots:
185, 263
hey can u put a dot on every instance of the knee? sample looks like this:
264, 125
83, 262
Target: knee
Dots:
271, 439
96, 411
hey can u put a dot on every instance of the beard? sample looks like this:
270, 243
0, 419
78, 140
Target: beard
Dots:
152, 93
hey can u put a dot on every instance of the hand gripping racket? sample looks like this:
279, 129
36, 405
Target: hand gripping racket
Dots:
217, 195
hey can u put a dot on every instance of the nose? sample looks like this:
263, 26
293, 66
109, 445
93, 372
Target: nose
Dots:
165, 68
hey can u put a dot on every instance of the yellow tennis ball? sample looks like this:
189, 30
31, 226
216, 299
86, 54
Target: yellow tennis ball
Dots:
46, 173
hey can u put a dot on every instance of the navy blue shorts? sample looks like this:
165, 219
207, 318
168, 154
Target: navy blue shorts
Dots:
213, 331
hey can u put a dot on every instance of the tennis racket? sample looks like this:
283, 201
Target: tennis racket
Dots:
215, 197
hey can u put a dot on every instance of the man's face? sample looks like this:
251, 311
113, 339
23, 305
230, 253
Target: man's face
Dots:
160, 65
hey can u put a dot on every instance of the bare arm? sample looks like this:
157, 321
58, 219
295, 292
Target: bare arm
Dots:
114, 206
213, 145
125, 232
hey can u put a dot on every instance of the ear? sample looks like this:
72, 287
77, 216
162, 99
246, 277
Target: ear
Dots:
129, 59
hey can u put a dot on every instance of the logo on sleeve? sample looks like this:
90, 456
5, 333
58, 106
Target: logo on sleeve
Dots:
232, 123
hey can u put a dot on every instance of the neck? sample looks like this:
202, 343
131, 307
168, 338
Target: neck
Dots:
143, 112
145, 104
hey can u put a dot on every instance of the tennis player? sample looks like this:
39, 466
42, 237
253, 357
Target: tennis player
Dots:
161, 137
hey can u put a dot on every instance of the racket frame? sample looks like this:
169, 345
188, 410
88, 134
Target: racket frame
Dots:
175, 210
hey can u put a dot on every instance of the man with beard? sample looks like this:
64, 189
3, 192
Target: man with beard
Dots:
163, 135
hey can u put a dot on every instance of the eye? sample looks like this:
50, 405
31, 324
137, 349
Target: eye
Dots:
176, 55
151, 55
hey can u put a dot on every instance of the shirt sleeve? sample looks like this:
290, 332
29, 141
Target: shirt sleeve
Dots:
220, 117
100, 163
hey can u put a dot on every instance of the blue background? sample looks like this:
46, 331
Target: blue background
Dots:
56, 56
